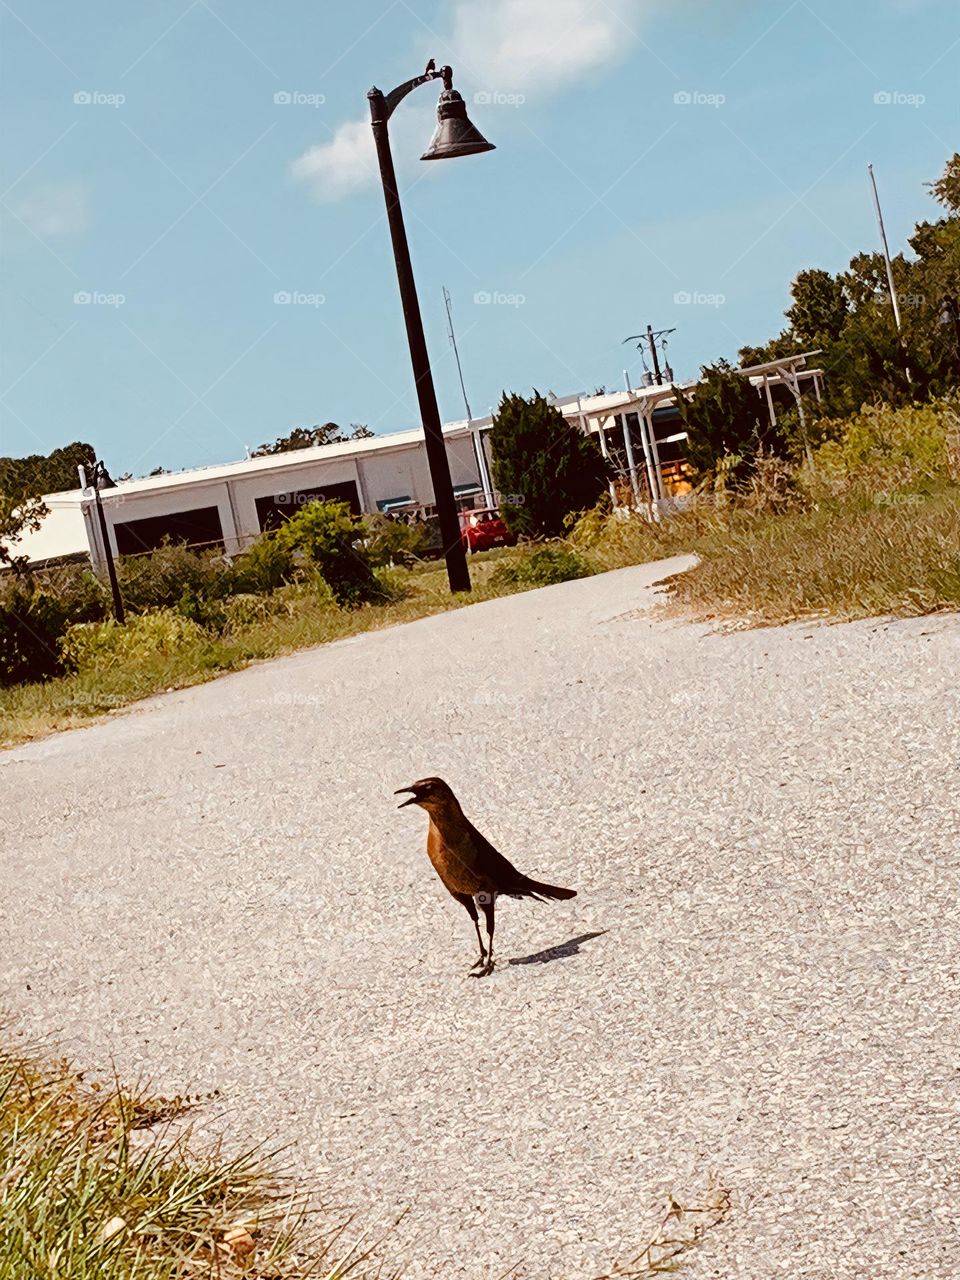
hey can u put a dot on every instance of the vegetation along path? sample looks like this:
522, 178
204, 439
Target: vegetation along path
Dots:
757, 982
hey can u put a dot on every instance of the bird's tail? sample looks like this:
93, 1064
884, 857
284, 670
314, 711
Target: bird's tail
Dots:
537, 889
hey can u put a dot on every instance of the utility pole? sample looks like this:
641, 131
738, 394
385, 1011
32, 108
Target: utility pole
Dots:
651, 337
894, 300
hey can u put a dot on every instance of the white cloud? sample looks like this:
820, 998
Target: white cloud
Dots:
345, 164
56, 211
509, 46
543, 45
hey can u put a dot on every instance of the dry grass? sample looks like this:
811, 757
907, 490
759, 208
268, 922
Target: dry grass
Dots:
94, 1183
901, 558
853, 557
681, 1228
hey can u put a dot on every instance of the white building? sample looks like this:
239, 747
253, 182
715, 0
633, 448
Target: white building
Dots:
230, 505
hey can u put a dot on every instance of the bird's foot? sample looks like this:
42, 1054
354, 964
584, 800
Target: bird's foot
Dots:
487, 967
479, 962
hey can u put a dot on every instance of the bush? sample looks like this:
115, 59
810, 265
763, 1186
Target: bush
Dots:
263, 567
327, 535
393, 541
169, 574
883, 448
35, 613
541, 568
99, 645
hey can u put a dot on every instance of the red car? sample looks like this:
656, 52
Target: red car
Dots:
482, 530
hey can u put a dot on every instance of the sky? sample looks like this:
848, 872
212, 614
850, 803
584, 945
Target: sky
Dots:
195, 257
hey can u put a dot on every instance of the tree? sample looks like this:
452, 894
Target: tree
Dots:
544, 467
311, 437
725, 418
819, 310
850, 317
45, 473
17, 515
946, 189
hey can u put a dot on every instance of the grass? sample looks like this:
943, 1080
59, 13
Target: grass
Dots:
94, 1186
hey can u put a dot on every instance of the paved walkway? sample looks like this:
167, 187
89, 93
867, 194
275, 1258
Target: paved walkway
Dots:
758, 979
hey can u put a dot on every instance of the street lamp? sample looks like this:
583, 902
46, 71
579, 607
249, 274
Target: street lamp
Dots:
454, 136
102, 480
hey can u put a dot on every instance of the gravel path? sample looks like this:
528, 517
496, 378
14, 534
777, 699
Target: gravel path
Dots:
759, 978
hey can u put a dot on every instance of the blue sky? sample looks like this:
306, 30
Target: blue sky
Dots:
646, 152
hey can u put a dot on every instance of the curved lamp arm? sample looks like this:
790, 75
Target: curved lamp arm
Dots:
393, 99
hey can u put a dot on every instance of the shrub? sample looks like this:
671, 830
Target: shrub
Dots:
883, 448
35, 613
263, 567
329, 537
396, 542
169, 574
541, 568
99, 645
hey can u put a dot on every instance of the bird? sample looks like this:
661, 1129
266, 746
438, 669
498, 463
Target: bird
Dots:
431, 66
471, 869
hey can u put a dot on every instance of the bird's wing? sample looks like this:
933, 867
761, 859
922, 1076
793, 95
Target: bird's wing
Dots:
492, 863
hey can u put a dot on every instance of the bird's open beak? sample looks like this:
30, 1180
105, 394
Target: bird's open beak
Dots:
403, 791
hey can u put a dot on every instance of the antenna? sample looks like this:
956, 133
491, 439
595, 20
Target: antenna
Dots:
453, 343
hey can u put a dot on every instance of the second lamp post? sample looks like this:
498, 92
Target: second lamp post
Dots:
454, 136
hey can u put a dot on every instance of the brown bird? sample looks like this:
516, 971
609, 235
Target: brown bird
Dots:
468, 864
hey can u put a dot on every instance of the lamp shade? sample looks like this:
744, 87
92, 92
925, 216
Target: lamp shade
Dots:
454, 134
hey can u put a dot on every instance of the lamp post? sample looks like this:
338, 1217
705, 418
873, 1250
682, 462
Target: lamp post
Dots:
101, 480
454, 136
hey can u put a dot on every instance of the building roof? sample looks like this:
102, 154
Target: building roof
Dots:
270, 463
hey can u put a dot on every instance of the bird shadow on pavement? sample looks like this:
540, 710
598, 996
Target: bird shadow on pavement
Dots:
560, 952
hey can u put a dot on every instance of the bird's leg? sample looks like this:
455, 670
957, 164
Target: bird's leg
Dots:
477, 964
468, 902
487, 902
